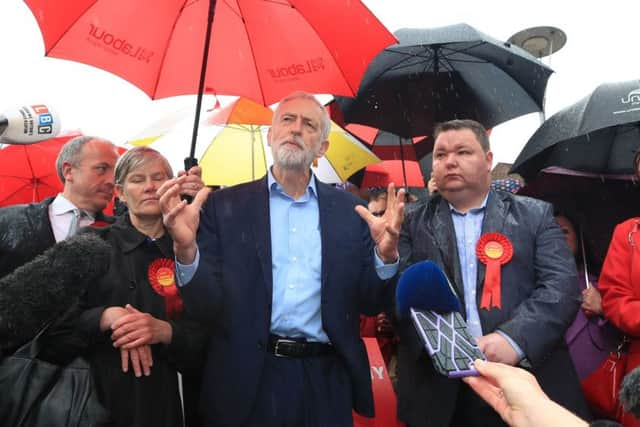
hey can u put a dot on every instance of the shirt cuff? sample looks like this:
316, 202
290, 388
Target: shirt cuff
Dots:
385, 271
185, 272
515, 346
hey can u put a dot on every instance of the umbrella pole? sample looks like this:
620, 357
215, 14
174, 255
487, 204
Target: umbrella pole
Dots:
404, 172
191, 161
584, 260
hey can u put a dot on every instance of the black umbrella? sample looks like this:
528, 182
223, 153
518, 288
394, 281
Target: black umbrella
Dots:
594, 202
439, 74
598, 134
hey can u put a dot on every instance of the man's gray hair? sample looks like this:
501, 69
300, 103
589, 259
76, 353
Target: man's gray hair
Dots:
71, 152
325, 120
136, 157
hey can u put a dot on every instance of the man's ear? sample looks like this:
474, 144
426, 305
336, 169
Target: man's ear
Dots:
66, 171
269, 136
323, 148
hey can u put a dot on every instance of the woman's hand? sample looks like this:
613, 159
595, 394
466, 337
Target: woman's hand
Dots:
516, 395
135, 329
591, 301
141, 360
141, 357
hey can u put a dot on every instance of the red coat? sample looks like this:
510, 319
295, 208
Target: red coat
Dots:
620, 287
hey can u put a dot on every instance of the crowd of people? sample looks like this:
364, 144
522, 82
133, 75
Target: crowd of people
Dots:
246, 306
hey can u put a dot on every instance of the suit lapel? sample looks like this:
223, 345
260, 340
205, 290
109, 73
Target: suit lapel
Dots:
328, 232
493, 222
258, 208
444, 234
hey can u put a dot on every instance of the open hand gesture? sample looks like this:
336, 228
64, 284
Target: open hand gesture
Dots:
385, 229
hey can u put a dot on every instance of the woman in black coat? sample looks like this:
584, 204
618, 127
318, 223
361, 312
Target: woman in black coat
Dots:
131, 324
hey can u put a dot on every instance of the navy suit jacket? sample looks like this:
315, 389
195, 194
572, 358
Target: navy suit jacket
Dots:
232, 292
540, 299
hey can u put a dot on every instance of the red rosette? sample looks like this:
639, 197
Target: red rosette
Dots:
162, 280
493, 250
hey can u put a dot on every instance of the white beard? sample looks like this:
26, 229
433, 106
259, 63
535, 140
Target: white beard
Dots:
293, 159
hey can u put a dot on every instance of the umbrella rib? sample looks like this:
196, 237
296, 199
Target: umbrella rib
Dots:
28, 158
401, 64
8, 196
354, 91
81, 14
166, 49
255, 65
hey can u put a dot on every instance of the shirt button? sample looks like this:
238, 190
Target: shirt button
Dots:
471, 265
291, 286
294, 259
293, 230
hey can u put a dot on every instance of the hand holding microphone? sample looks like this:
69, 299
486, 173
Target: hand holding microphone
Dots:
28, 124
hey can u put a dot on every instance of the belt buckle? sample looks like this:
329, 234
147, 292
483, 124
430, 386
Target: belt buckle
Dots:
276, 347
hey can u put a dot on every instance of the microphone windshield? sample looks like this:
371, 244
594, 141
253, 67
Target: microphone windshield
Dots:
424, 286
630, 392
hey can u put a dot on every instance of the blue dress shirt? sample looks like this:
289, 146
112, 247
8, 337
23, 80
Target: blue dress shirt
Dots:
468, 228
296, 251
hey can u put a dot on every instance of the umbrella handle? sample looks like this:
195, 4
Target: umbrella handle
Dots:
189, 162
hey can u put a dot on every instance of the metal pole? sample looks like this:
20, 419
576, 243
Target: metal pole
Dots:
191, 161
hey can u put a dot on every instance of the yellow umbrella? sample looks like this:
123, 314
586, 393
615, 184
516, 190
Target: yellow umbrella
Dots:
235, 155
238, 151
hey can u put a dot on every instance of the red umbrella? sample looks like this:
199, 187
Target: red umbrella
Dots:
254, 48
388, 146
388, 171
28, 172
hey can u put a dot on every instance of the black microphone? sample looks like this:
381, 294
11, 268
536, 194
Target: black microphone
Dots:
48, 285
630, 392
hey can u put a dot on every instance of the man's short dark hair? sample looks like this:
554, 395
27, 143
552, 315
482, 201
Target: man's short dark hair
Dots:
478, 130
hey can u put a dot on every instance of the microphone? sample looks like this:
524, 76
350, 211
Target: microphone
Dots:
48, 285
425, 293
28, 124
630, 392
424, 286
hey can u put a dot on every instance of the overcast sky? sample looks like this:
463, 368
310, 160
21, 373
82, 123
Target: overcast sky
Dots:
602, 45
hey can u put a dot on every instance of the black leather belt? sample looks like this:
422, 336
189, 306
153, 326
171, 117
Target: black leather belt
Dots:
290, 347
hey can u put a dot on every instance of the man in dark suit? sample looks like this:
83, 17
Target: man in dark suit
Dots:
518, 318
280, 272
85, 166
